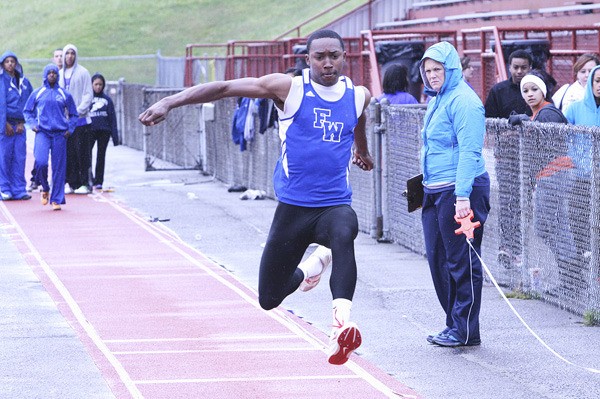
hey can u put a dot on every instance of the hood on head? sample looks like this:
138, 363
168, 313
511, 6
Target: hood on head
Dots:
47, 69
9, 53
70, 47
446, 54
588, 96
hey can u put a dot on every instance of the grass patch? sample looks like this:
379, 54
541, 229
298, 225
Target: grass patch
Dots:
519, 294
125, 28
591, 318
117, 27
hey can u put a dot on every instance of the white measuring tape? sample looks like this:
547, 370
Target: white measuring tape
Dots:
558, 355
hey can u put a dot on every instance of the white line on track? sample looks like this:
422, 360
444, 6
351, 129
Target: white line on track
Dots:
275, 314
70, 301
137, 276
175, 351
253, 379
220, 338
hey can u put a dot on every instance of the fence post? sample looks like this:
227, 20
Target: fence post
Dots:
377, 132
593, 297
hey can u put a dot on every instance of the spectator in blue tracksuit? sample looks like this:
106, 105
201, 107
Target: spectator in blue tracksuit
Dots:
455, 182
104, 126
51, 113
13, 147
583, 112
3, 93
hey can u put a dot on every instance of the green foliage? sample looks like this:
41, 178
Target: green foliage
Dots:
519, 294
591, 318
34, 28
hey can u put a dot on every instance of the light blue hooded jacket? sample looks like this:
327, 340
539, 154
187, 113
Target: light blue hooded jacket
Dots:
17, 93
454, 127
583, 112
50, 108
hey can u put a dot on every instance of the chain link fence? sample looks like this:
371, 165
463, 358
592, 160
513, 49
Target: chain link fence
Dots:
541, 237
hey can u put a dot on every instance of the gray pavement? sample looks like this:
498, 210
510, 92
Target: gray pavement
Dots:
395, 305
41, 356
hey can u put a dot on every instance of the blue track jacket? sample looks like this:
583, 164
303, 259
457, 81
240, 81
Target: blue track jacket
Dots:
454, 127
17, 90
2, 106
46, 106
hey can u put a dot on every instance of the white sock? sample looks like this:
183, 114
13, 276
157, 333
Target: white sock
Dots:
341, 311
312, 266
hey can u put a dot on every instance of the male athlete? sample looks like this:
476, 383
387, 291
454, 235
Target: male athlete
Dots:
321, 118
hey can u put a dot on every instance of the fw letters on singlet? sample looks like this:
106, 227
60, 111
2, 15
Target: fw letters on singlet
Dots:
313, 168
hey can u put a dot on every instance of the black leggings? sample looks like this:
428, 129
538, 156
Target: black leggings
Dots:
293, 229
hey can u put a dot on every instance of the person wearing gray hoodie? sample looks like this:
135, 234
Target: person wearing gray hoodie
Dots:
77, 81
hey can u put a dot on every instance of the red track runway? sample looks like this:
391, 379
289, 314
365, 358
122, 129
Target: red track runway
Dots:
162, 321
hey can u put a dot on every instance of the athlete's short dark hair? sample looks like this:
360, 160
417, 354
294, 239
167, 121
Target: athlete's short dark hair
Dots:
522, 55
322, 34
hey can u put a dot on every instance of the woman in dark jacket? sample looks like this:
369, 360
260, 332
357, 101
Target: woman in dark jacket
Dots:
104, 126
551, 171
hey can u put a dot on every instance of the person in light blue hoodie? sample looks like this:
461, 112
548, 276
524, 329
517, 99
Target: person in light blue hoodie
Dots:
13, 147
583, 112
455, 183
51, 113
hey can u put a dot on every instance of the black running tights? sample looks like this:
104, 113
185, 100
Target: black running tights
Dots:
293, 229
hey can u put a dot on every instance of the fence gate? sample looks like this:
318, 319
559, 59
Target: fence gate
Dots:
176, 143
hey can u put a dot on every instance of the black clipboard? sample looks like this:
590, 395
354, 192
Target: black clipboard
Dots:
414, 192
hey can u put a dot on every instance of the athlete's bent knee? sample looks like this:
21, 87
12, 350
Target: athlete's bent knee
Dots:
268, 302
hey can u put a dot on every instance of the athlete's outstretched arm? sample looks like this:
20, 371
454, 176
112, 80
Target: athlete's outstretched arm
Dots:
274, 86
362, 157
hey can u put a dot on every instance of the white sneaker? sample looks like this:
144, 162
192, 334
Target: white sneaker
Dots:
343, 341
323, 256
68, 189
82, 190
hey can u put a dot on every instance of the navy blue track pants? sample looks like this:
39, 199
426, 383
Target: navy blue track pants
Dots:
456, 271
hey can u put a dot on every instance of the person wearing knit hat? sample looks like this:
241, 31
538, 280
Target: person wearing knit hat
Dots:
551, 170
535, 93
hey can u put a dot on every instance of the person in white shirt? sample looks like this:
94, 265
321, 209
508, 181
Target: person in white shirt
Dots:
572, 92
